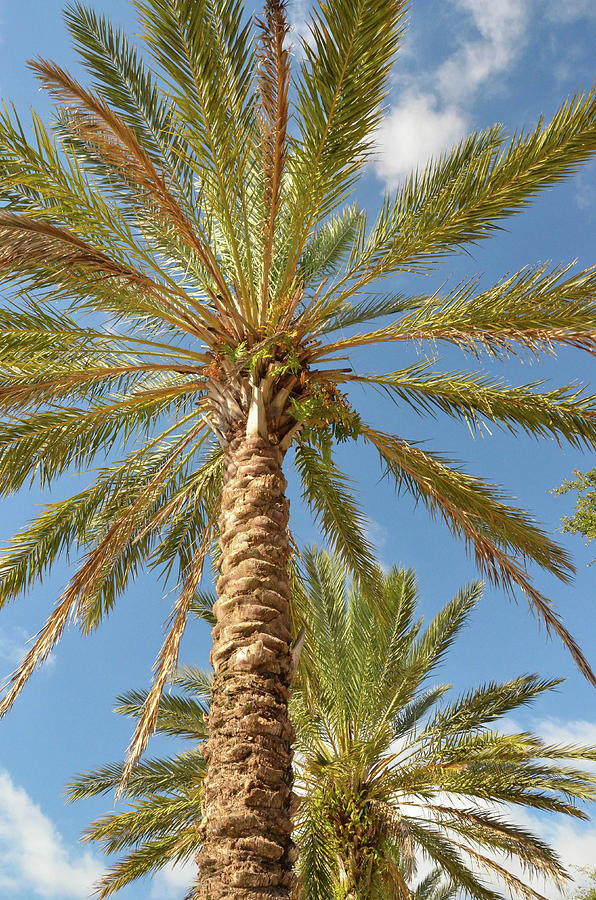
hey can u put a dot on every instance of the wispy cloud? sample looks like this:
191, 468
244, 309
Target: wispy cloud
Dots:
12, 645
376, 533
299, 17
33, 856
428, 120
378, 537
500, 29
585, 190
568, 11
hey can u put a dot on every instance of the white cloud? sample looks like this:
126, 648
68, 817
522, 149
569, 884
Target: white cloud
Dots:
575, 844
33, 856
561, 731
501, 26
574, 841
299, 17
173, 881
427, 122
413, 132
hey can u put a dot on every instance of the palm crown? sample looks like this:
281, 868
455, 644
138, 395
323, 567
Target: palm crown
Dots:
386, 770
186, 286
178, 268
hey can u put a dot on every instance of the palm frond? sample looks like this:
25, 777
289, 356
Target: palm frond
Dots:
344, 314
492, 529
178, 716
149, 857
156, 815
149, 777
207, 54
165, 664
97, 124
462, 196
428, 651
565, 412
325, 490
342, 84
534, 310
485, 704
125, 81
327, 248
202, 606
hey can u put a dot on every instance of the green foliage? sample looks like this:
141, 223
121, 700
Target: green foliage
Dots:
327, 491
583, 520
384, 767
587, 892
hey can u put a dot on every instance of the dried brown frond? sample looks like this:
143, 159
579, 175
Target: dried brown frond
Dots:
22, 237
165, 662
78, 596
427, 473
398, 828
97, 124
273, 83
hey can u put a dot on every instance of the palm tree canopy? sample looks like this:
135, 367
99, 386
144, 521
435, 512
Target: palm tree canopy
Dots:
183, 268
385, 762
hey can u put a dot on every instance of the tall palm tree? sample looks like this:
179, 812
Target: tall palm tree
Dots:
386, 769
186, 283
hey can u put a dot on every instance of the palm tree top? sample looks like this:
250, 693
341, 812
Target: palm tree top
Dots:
389, 765
184, 272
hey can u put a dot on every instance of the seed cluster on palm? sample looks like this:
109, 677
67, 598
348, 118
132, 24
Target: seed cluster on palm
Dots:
187, 282
389, 771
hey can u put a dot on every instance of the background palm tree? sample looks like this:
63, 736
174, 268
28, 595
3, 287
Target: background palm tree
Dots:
386, 771
185, 286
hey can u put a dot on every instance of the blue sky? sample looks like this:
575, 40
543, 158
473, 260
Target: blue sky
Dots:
465, 64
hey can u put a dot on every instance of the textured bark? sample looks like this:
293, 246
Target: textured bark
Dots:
247, 849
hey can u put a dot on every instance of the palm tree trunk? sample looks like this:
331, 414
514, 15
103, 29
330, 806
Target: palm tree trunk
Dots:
247, 849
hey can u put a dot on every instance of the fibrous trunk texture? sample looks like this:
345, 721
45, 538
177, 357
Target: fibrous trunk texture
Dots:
247, 850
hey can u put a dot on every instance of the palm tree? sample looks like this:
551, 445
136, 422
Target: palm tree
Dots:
185, 280
386, 770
